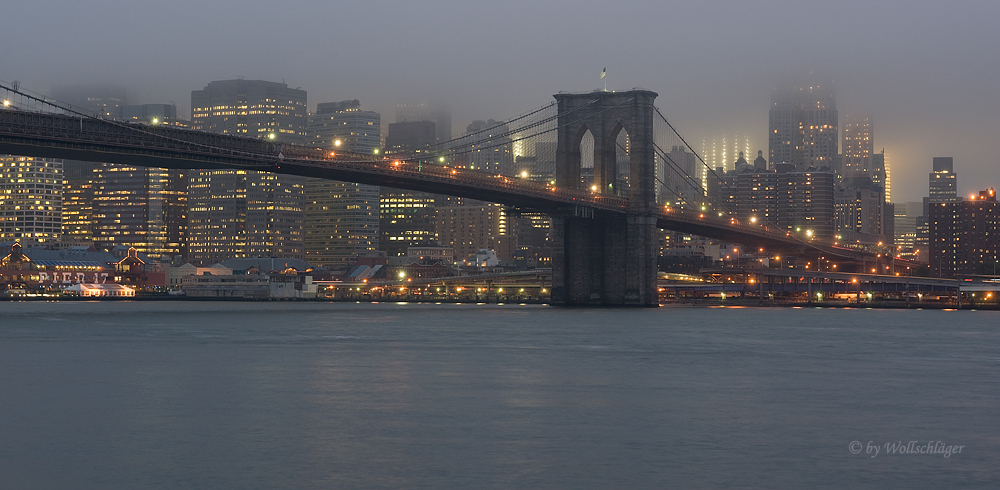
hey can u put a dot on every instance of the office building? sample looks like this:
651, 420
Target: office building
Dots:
140, 207
406, 218
438, 114
859, 213
131, 206
476, 226
799, 201
806, 201
965, 236
341, 218
802, 127
344, 126
78, 202
942, 186
30, 199
487, 148
153, 114
102, 100
238, 213
906, 218
859, 141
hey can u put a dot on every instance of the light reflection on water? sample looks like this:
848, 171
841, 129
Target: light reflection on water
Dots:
315, 395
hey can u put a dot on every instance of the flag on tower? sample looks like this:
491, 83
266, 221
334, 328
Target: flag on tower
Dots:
604, 72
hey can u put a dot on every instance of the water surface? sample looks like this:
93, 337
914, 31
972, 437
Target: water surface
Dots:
218, 395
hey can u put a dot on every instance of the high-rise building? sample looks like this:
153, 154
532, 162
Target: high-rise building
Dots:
801, 202
965, 236
489, 150
141, 207
341, 218
131, 206
859, 212
102, 100
906, 218
344, 126
254, 108
78, 202
806, 202
153, 114
237, 213
424, 111
802, 126
30, 199
476, 226
859, 146
942, 181
406, 218
757, 196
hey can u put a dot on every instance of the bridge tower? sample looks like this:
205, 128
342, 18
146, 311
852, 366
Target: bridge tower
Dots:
604, 258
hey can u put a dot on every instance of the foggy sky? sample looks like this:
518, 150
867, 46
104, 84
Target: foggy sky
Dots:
925, 72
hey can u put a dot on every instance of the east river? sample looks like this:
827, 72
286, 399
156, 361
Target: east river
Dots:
220, 395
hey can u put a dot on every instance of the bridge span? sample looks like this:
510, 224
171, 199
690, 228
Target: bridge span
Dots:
605, 244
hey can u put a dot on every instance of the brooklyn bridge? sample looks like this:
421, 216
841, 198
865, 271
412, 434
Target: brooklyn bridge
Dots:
604, 230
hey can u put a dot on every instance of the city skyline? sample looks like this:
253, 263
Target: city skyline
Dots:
931, 95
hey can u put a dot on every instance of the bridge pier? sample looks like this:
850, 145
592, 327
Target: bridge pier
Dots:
607, 260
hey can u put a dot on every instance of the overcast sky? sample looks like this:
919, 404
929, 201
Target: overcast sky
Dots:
926, 73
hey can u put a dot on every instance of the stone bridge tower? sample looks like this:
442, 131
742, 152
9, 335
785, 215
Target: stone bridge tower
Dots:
606, 258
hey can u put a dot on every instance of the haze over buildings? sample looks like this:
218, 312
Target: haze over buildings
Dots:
930, 94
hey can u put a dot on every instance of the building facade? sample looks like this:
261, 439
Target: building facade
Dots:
406, 218
341, 218
30, 199
470, 228
237, 213
965, 236
141, 207
803, 127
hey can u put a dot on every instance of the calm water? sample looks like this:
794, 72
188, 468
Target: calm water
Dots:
308, 395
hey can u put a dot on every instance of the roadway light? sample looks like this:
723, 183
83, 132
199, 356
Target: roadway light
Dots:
336, 143
6, 103
376, 151
524, 174
270, 136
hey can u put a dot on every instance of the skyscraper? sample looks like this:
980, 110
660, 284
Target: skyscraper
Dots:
488, 151
406, 218
802, 126
141, 207
78, 202
341, 217
471, 227
942, 181
102, 100
424, 111
30, 199
859, 142
237, 213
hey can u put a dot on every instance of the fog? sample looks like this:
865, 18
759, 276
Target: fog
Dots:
925, 72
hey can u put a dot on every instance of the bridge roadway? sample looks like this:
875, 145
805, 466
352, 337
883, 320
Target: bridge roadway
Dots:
81, 138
